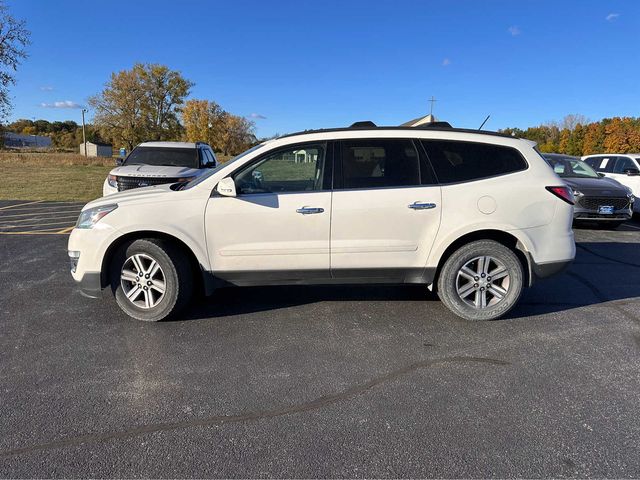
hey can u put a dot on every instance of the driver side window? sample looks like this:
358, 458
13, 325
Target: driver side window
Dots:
298, 168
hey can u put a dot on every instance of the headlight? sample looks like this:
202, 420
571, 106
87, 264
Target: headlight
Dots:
91, 216
112, 180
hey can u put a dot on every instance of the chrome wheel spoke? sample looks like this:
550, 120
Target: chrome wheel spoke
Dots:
498, 292
499, 273
129, 276
137, 262
147, 299
467, 273
134, 293
153, 268
158, 286
466, 290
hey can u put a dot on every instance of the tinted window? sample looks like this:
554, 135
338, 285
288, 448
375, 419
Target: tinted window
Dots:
622, 164
294, 169
463, 161
379, 163
173, 157
601, 164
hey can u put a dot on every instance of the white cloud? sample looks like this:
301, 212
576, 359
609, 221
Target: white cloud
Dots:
63, 104
611, 17
258, 116
46, 88
446, 62
514, 30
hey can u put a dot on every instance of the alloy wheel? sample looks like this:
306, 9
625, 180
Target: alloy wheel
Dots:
482, 282
143, 281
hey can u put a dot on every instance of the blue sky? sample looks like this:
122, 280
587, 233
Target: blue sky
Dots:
311, 64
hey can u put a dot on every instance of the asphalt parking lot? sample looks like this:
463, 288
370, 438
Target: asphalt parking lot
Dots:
317, 381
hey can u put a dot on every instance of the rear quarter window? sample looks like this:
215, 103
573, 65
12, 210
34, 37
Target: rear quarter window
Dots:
456, 161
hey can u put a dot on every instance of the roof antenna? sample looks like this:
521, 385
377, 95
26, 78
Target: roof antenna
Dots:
485, 121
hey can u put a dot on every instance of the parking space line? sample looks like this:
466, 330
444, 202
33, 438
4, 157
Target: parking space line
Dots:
77, 212
36, 219
34, 232
67, 230
21, 204
62, 223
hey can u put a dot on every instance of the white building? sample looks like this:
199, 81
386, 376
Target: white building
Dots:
95, 149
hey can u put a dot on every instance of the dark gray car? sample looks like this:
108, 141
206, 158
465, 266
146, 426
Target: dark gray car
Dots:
598, 199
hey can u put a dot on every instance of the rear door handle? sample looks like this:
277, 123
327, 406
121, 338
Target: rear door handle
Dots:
309, 210
422, 206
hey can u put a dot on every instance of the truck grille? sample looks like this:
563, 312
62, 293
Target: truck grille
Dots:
127, 183
592, 203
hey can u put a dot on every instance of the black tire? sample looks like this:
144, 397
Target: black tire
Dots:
176, 273
448, 281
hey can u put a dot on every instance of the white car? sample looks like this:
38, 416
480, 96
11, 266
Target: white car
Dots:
475, 215
625, 168
155, 163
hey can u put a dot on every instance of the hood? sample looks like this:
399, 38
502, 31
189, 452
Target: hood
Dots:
154, 171
597, 187
145, 194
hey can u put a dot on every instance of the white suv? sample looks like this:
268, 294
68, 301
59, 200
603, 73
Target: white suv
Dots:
476, 215
155, 163
625, 168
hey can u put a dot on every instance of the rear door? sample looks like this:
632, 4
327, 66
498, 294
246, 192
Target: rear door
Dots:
385, 210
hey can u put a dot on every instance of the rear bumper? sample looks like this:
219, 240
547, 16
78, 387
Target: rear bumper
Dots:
544, 270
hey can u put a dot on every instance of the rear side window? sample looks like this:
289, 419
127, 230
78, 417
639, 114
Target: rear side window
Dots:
379, 163
622, 164
455, 161
601, 164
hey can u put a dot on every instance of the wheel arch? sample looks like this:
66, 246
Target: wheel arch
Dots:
505, 238
200, 274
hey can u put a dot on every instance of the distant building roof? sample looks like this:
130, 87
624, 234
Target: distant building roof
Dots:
100, 144
416, 122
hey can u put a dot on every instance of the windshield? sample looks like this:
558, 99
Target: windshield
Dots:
201, 178
163, 156
567, 168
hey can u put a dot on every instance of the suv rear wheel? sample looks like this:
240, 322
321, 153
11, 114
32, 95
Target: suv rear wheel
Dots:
482, 280
151, 279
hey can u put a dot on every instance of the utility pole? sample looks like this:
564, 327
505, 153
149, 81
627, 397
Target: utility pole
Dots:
433, 100
84, 136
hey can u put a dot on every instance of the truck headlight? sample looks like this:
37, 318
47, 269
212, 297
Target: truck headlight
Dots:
88, 218
112, 180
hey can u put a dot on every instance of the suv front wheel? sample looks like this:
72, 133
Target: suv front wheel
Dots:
482, 280
151, 279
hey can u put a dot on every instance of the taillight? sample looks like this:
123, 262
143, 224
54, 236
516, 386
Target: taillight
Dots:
563, 193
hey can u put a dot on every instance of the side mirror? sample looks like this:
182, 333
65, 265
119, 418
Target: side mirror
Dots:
226, 187
632, 171
600, 174
119, 162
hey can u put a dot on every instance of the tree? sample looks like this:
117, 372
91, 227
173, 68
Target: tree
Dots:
141, 104
206, 121
14, 37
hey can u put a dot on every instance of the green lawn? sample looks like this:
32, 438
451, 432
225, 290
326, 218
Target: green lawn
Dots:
51, 176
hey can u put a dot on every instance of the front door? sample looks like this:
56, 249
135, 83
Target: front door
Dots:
277, 227
385, 211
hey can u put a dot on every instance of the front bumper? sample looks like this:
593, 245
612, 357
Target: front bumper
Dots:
544, 270
90, 284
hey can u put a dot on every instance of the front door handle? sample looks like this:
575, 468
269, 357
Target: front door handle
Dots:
309, 210
422, 206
